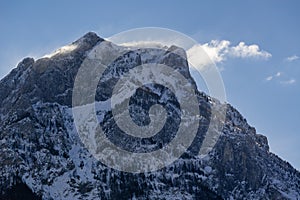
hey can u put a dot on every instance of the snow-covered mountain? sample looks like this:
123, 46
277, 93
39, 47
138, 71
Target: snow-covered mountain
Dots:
43, 157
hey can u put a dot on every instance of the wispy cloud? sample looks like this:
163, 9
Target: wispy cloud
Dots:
144, 44
288, 82
292, 58
218, 51
280, 79
269, 78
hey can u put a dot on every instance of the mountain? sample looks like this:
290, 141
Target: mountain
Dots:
43, 157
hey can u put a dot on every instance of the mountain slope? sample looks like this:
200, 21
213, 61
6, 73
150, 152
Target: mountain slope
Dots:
41, 150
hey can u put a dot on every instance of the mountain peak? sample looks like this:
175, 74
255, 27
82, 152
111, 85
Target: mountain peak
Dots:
85, 43
40, 147
89, 37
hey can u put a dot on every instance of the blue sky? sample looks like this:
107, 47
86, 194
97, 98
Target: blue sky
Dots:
265, 89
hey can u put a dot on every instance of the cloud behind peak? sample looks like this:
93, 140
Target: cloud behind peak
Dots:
220, 50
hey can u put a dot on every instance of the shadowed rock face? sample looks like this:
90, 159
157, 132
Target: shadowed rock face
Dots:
18, 191
40, 146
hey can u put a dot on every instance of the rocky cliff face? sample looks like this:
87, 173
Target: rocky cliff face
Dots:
42, 156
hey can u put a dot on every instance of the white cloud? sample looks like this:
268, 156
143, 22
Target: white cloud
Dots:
288, 82
244, 51
278, 74
201, 56
277, 77
292, 58
269, 78
218, 51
